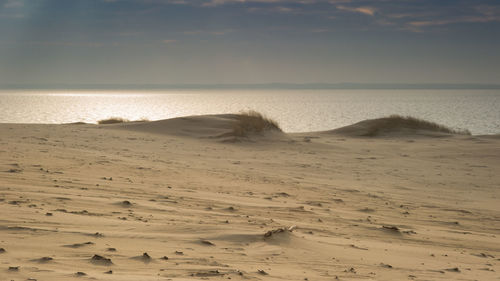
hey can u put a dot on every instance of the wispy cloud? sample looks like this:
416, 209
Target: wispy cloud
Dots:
320, 30
489, 13
69, 44
411, 15
484, 14
214, 3
370, 11
273, 9
209, 32
452, 21
13, 4
169, 41
335, 2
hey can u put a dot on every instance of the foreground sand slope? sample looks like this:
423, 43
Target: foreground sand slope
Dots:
175, 204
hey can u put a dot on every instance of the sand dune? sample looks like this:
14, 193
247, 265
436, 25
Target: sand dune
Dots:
171, 200
396, 126
205, 126
220, 127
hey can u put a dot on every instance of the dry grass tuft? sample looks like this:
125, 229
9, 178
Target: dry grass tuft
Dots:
395, 122
253, 122
115, 120
112, 120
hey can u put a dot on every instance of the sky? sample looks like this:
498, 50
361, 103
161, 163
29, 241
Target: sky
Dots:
249, 41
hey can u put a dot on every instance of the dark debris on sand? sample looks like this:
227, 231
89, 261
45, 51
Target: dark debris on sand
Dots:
78, 245
44, 259
100, 260
126, 203
262, 272
391, 228
206, 242
279, 230
454, 269
208, 273
385, 265
481, 255
145, 257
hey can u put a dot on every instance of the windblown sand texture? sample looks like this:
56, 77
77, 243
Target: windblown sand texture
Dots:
183, 199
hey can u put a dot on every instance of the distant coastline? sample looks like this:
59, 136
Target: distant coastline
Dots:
270, 86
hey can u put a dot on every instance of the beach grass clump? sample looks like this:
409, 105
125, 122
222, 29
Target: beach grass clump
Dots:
115, 120
112, 120
251, 121
395, 122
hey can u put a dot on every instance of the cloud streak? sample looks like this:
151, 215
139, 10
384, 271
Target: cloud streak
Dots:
14, 4
476, 15
169, 41
370, 11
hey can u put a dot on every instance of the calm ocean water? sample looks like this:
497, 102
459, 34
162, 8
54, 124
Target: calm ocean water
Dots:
295, 110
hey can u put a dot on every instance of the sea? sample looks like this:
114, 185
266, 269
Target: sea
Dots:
295, 110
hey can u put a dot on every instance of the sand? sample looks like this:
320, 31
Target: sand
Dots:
180, 200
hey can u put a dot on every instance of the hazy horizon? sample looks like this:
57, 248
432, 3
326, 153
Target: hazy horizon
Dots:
257, 86
151, 42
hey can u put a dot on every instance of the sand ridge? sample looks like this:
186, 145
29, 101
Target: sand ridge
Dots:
165, 201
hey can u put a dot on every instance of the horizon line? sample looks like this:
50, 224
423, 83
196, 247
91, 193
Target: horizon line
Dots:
249, 86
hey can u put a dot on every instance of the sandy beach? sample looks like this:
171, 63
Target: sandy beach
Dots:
183, 199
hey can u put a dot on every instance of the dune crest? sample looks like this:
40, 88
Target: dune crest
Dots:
396, 125
253, 126
223, 127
